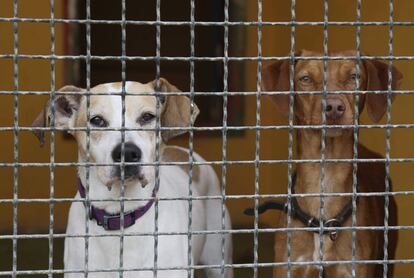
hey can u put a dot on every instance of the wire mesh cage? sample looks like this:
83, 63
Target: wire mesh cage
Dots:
287, 91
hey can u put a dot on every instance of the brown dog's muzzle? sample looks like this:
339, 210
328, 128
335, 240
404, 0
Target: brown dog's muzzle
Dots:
335, 108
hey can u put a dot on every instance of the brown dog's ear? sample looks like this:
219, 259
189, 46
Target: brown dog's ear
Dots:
65, 107
275, 77
176, 110
377, 79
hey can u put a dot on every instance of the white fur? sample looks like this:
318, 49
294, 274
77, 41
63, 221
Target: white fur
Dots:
173, 215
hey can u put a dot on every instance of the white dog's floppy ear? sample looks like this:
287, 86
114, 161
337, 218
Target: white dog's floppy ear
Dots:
377, 73
176, 110
65, 108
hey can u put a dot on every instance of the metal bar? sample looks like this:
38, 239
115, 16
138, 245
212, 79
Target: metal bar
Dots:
388, 139
212, 162
15, 134
218, 197
212, 266
87, 202
224, 128
245, 93
191, 139
291, 133
212, 232
217, 128
257, 141
52, 136
323, 139
123, 112
207, 23
356, 139
158, 132
207, 59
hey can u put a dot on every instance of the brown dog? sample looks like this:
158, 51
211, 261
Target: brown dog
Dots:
341, 75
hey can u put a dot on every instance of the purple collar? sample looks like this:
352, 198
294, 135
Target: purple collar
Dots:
112, 222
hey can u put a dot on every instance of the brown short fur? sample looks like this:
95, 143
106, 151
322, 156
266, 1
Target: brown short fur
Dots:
174, 154
338, 177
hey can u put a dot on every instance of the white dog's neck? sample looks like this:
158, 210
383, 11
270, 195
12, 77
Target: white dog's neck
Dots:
99, 191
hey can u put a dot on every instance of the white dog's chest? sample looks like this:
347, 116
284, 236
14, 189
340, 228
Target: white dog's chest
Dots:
138, 242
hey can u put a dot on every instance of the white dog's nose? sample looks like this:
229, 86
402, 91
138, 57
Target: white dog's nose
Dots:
131, 153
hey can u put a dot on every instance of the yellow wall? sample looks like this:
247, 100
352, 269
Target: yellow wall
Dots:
35, 75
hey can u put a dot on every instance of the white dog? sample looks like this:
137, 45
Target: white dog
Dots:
173, 253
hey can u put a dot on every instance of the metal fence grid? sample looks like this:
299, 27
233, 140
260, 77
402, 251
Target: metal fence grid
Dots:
224, 129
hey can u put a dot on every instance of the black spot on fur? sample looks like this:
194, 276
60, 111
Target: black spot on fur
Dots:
64, 107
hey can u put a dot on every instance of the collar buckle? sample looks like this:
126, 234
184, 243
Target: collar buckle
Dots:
333, 223
313, 223
106, 221
90, 207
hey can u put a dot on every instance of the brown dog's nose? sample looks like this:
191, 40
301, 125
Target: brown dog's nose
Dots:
335, 107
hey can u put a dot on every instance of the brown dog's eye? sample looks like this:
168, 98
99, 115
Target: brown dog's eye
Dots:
354, 77
305, 79
98, 121
146, 118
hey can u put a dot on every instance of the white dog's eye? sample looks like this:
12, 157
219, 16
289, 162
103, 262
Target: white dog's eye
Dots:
146, 118
98, 121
